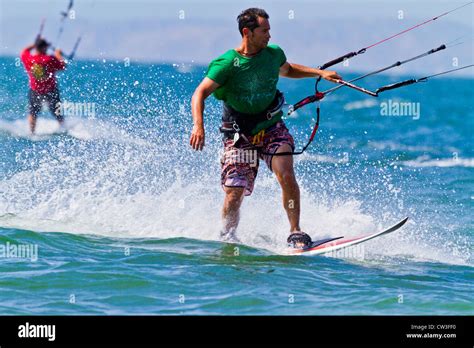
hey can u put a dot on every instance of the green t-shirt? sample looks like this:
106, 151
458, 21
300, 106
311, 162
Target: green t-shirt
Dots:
247, 84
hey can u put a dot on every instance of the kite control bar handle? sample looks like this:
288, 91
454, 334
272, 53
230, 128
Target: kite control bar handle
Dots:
395, 85
338, 60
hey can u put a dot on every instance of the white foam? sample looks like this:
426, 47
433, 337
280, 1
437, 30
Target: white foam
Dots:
307, 157
76, 127
360, 104
130, 190
391, 145
424, 161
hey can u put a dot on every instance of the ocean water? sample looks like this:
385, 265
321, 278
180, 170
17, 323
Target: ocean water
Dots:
121, 217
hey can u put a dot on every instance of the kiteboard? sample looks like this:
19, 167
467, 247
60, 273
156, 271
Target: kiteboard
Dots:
327, 245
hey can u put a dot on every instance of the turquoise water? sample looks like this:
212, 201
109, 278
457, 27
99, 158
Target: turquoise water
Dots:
124, 216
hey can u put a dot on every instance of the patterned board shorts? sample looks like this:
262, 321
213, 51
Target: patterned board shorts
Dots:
239, 163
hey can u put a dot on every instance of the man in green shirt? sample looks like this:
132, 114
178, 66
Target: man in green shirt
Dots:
245, 79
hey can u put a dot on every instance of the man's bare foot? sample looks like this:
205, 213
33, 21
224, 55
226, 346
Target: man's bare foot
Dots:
229, 236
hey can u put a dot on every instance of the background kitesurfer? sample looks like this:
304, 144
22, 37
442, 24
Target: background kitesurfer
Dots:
41, 69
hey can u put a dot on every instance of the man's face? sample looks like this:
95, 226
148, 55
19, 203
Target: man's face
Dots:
260, 35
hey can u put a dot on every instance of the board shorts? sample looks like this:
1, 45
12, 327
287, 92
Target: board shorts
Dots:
51, 98
240, 162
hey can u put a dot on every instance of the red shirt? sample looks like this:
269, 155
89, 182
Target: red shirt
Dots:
41, 69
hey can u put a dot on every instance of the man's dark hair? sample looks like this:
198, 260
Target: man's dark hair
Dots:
249, 18
41, 44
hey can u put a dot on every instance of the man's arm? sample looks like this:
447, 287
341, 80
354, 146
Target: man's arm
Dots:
26, 51
29, 47
297, 71
204, 90
58, 54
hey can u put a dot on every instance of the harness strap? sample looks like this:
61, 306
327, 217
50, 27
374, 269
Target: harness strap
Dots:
237, 122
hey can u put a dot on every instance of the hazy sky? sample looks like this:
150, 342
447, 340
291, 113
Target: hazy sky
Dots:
199, 30
117, 10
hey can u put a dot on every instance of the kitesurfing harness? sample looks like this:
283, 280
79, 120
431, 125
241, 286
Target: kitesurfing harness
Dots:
234, 121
